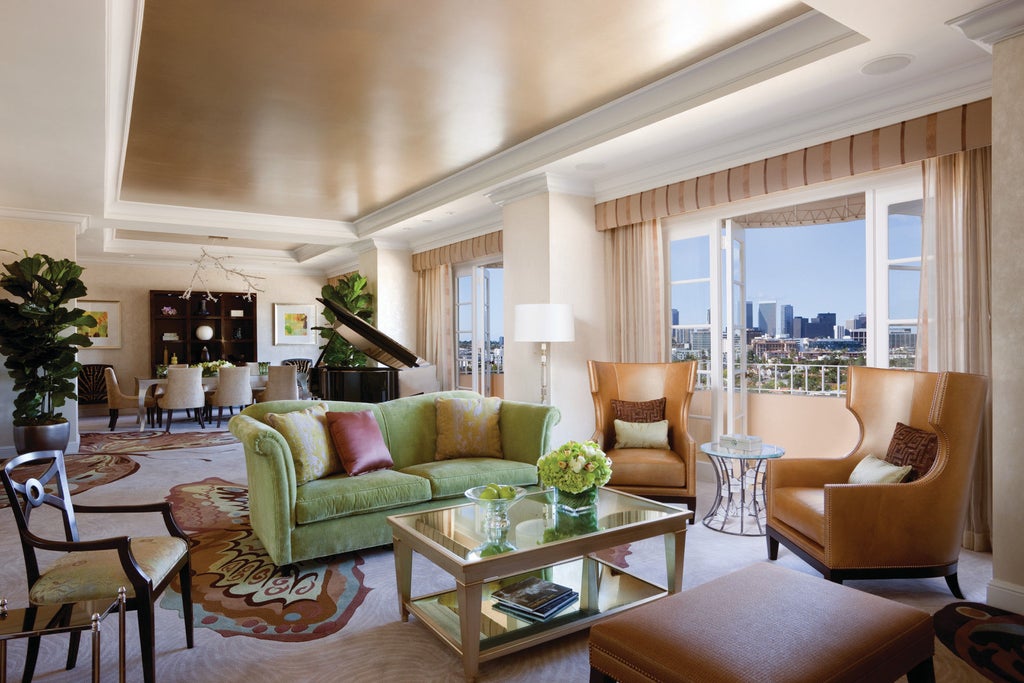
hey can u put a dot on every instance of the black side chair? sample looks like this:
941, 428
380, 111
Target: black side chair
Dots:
146, 564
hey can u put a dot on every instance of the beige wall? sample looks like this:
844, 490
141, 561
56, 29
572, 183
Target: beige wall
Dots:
806, 426
130, 285
54, 239
1007, 587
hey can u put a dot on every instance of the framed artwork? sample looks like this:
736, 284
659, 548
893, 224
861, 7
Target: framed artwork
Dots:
293, 324
106, 334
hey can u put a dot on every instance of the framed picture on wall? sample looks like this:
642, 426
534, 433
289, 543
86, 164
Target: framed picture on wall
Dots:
293, 324
106, 334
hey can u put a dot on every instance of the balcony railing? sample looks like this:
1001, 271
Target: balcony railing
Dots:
786, 378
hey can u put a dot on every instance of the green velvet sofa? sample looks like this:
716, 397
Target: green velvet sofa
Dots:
339, 513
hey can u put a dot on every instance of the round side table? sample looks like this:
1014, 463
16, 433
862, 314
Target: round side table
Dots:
738, 507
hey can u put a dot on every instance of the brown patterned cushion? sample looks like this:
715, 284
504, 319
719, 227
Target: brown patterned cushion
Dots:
639, 411
914, 447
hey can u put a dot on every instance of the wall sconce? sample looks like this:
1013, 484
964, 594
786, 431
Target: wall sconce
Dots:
544, 323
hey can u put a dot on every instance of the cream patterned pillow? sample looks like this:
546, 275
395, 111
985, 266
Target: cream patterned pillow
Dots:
468, 427
310, 442
641, 434
871, 470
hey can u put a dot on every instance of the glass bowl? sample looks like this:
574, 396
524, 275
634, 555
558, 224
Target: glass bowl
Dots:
494, 503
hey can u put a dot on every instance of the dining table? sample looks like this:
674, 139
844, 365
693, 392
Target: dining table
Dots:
209, 383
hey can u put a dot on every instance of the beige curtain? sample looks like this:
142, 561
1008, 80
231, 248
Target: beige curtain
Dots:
435, 330
636, 261
955, 330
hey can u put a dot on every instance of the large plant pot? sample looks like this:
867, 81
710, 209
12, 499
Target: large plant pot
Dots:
28, 439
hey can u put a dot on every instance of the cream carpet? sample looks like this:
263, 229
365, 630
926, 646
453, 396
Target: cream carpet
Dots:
375, 645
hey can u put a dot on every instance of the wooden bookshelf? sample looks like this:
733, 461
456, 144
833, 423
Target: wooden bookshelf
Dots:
174, 321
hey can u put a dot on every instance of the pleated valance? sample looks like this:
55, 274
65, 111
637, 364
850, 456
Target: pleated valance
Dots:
458, 252
968, 126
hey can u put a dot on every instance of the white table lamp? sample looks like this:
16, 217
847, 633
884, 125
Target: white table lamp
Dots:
544, 323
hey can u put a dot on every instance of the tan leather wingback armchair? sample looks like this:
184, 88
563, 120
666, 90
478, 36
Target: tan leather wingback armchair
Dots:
650, 472
873, 531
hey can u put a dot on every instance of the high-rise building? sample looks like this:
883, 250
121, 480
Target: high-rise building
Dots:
751, 323
787, 320
799, 327
768, 318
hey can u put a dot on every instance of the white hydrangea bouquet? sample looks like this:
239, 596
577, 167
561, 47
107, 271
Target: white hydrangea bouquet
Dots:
575, 467
212, 367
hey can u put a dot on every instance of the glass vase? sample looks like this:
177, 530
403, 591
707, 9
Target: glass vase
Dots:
576, 503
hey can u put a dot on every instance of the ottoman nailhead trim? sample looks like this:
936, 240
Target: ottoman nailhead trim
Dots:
620, 660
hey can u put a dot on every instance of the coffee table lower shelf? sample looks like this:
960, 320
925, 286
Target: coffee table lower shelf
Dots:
615, 590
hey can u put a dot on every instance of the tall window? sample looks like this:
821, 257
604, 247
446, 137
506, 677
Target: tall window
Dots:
480, 339
830, 276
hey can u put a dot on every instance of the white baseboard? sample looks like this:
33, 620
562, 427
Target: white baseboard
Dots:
1005, 595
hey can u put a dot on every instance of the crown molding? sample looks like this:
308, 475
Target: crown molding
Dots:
78, 220
466, 231
795, 43
540, 183
987, 26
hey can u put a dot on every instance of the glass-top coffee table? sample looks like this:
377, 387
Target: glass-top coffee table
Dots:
540, 540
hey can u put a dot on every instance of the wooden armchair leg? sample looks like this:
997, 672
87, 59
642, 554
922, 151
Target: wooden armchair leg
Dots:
113, 419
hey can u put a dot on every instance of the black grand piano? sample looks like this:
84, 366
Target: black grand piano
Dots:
368, 385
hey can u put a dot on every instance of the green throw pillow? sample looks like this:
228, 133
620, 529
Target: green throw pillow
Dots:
871, 470
468, 427
641, 434
310, 443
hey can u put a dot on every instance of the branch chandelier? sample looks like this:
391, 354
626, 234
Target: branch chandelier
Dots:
209, 262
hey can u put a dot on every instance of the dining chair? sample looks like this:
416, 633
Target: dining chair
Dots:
233, 389
93, 569
184, 390
117, 400
282, 384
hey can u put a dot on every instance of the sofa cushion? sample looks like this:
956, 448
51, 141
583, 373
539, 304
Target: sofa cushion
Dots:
914, 447
468, 427
802, 508
871, 470
642, 466
357, 438
305, 431
641, 434
342, 496
449, 478
639, 411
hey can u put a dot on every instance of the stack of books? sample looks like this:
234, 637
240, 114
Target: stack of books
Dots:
534, 599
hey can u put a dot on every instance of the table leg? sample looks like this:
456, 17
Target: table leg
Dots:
95, 648
403, 575
675, 544
470, 598
589, 589
3, 661
122, 599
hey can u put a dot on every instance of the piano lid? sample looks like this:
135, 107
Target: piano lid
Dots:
369, 339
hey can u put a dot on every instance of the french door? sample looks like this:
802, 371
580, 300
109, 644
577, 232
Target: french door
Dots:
479, 344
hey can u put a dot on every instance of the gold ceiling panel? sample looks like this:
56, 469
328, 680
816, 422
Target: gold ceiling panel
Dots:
332, 109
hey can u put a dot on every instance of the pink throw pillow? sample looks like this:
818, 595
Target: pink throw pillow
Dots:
359, 442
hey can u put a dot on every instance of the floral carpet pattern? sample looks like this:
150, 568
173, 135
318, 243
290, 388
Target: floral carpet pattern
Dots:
238, 590
140, 442
90, 470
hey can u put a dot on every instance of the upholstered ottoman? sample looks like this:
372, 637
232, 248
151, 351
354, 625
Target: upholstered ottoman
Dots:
765, 623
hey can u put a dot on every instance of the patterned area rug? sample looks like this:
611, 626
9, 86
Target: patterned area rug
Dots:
238, 590
91, 470
140, 442
991, 640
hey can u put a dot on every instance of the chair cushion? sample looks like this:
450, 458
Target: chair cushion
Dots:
449, 478
871, 470
646, 467
305, 431
96, 574
639, 411
914, 447
359, 442
802, 508
641, 434
468, 427
340, 495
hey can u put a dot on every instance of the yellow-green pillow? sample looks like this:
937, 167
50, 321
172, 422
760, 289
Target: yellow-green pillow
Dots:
641, 434
871, 470
468, 427
307, 436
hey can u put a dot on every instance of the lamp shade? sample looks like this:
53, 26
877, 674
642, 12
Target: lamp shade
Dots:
545, 323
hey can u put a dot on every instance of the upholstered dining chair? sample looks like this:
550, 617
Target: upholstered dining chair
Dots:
282, 384
233, 389
93, 569
657, 395
929, 422
184, 390
117, 400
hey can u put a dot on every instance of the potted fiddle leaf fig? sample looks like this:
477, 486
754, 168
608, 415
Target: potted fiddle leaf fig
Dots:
351, 292
39, 338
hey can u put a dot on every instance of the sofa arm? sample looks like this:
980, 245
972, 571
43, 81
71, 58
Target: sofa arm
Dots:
808, 472
271, 473
526, 430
